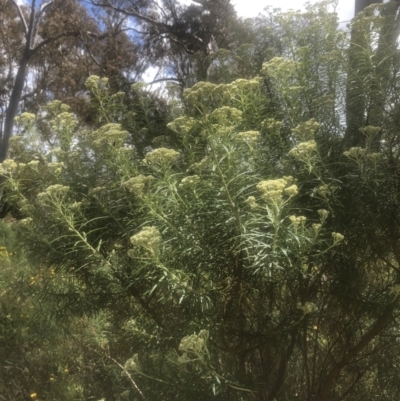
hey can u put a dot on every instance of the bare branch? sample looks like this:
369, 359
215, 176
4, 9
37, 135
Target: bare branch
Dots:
164, 80
21, 16
133, 14
48, 40
45, 6
167, 27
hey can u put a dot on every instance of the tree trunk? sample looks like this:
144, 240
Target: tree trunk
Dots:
13, 104
361, 4
356, 113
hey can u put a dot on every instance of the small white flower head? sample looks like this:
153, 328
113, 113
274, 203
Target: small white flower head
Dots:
96, 191
251, 201
190, 181
195, 343
374, 157
56, 167
95, 83
279, 68
56, 107
161, 157
305, 131
25, 119
149, 238
272, 126
132, 364
109, 134
316, 228
355, 153
182, 125
323, 190
33, 164
138, 183
298, 220
227, 116
304, 150
337, 237
323, 214
76, 206
291, 191
53, 192
307, 308
200, 93
272, 190
249, 136
370, 131
8, 166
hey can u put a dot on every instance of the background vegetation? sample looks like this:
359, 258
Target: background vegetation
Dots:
235, 237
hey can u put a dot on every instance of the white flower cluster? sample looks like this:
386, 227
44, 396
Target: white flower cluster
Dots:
148, 237
226, 115
271, 125
241, 87
251, 201
199, 93
182, 125
304, 150
137, 184
370, 131
56, 167
132, 364
189, 181
323, 214
272, 190
8, 166
249, 136
203, 163
355, 153
53, 191
279, 67
316, 228
194, 344
307, 308
323, 190
109, 134
337, 237
94, 82
25, 119
298, 220
76, 206
161, 156
305, 131
33, 164
64, 122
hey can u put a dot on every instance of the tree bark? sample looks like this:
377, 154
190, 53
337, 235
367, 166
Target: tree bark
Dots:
361, 4
13, 105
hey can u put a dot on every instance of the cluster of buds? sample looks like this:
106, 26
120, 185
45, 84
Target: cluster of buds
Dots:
148, 237
195, 345
272, 190
161, 156
137, 184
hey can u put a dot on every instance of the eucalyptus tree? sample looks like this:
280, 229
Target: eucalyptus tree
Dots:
180, 39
